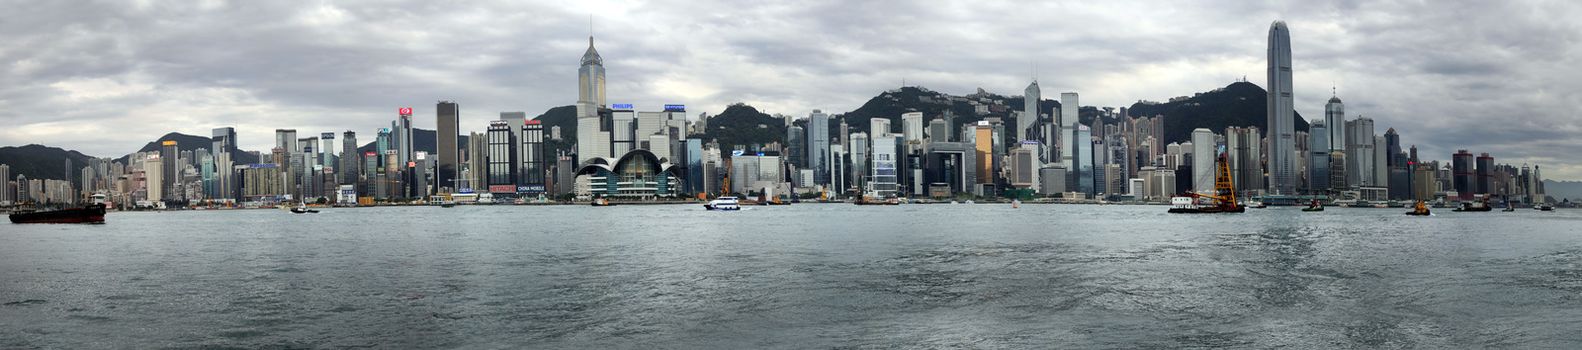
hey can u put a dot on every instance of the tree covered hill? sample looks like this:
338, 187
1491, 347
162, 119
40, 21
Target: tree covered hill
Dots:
1238, 104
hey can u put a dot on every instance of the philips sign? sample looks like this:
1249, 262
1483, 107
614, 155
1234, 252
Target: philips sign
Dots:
621, 106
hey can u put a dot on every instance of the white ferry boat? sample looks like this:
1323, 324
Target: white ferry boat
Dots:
723, 203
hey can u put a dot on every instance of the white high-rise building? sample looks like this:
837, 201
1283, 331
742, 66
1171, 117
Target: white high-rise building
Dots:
884, 175
1204, 153
153, 175
879, 127
912, 130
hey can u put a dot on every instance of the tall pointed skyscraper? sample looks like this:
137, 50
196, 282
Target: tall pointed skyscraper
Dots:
1029, 111
590, 78
593, 137
1282, 123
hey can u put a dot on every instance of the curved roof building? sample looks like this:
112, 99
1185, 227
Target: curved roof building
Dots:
637, 174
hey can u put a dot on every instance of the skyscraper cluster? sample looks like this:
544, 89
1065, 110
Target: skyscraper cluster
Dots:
622, 152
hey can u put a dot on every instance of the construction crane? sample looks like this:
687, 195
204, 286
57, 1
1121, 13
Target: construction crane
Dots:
1224, 195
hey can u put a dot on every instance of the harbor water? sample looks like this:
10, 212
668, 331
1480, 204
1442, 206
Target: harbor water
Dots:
799, 276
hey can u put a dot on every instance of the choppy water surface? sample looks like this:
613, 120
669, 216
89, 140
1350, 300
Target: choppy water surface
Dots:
803, 276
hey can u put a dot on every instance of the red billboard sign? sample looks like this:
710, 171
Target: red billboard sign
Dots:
405, 111
502, 189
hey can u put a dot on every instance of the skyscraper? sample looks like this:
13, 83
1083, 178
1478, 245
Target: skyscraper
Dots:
328, 159
590, 77
1463, 179
1484, 182
533, 158
911, 131
1281, 123
222, 141
401, 137
883, 174
351, 164
499, 155
1242, 146
6, 194
1203, 158
1318, 157
983, 144
168, 167
593, 129
1360, 153
1335, 120
818, 157
1029, 111
1066, 121
447, 115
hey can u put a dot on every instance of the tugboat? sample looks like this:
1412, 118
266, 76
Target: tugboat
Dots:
303, 209
1421, 209
1315, 206
723, 204
601, 202
88, 214
1224, 198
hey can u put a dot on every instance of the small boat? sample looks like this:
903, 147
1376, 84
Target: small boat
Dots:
88, 214
1016, 203
303, 210
1421, 209
723, 204
1315, 206
447, 204
872, 199
601, 202
1474, 206
1544, 207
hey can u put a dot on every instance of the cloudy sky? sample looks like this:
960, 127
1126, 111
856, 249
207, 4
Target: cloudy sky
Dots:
105, 77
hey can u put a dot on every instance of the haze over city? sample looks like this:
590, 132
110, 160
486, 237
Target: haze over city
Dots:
105, 78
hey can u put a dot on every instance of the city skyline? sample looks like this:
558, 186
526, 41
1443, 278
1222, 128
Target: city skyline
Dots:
116, 82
